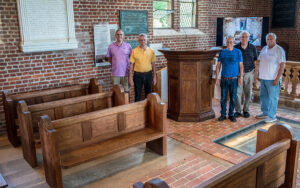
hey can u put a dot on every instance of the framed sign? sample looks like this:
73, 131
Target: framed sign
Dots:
134, 22
284, 13
104, 35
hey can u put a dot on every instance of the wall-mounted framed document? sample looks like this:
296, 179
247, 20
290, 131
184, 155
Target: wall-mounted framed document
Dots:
104, 35
46, 25
134, 22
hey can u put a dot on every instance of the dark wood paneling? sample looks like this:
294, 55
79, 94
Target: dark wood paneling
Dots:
190, 85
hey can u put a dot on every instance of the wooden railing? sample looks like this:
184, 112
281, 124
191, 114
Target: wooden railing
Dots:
290, 86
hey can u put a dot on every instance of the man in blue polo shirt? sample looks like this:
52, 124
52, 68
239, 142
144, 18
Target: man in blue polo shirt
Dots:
232, 73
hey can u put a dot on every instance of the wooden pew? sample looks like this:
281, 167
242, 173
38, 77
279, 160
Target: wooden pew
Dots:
274, 165
78, 139
29, 115
3, 183
36, 97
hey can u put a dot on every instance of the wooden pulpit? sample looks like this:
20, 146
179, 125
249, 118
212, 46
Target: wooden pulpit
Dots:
190, 84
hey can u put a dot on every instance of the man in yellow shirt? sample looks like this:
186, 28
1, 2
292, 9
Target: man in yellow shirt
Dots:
142, 62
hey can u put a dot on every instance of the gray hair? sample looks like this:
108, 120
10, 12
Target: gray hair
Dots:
245, 32
230, 37
271, 34
143, 35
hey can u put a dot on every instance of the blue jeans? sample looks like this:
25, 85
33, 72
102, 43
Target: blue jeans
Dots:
230, 85
269, 96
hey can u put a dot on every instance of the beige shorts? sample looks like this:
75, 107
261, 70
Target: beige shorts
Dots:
123, 80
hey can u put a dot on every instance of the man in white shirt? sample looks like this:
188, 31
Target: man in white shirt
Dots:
271, 67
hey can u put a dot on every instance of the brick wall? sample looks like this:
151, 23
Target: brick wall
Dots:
27, 72
291, 36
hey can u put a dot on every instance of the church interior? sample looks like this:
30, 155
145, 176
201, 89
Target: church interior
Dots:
63, 123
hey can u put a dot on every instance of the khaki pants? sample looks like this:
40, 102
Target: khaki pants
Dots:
247, 89
123, 80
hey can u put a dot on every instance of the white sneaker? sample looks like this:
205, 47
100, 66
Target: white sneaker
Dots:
270, 120
261, 116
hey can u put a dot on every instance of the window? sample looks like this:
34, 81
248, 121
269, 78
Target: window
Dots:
162, 13
187, 13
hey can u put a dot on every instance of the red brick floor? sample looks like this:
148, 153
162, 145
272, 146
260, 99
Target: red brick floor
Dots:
201, 134
186, 173
194, 170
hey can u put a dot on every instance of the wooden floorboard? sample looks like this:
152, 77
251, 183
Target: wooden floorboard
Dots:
15, 170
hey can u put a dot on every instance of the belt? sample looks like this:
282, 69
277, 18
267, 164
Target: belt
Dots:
249, 70
229, 78
143, 72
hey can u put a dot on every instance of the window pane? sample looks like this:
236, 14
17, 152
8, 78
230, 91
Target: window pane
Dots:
162, 14
186, 8
187, 13
188, 1
185, 21
160, 5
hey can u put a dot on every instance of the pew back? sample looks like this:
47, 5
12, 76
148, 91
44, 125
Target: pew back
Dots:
94, 127
68, 107
265, 169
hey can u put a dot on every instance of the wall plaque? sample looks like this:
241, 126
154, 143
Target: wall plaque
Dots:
284, 13
133, 43
134, 22
46, 25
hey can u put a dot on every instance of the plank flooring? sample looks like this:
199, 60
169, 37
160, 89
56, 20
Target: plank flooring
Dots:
15, 170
